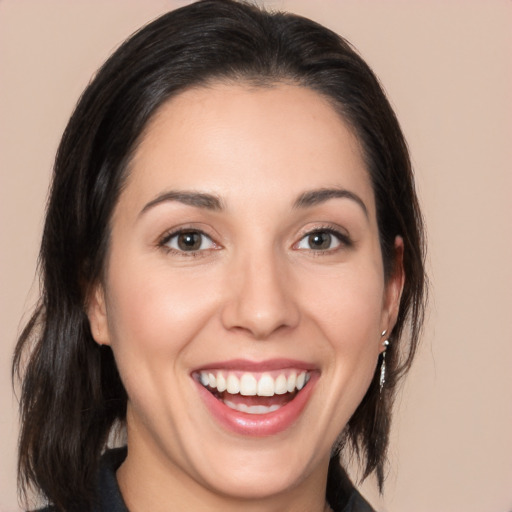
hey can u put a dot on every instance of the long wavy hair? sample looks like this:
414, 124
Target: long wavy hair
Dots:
71, 394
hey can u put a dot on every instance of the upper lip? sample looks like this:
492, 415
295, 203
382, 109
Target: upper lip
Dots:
246, 365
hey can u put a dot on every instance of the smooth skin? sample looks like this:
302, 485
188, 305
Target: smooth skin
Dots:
214, 257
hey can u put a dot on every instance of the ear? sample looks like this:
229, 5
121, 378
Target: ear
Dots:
394, 287
97, 314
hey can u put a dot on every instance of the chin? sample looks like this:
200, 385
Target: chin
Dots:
261, 477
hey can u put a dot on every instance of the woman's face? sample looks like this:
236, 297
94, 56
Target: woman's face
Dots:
244, 255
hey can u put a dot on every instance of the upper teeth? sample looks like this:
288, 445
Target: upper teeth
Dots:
250, 384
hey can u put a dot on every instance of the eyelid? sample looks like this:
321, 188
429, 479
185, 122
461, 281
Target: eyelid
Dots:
163, 241
341, 235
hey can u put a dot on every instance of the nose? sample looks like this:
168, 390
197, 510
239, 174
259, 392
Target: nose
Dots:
260, 297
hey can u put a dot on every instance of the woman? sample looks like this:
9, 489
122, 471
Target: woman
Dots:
232, 250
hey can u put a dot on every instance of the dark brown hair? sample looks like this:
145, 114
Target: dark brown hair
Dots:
71, 393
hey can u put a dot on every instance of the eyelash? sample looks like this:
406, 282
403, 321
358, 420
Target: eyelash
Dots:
342, 238
163, 243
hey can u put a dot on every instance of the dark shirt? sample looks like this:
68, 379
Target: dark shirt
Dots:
109, 497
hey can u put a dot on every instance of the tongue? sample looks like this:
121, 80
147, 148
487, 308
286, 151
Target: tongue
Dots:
258, 400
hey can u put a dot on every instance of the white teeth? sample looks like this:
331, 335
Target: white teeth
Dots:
301, 380
266, 385
233, 384
292, 379
250, 384
281, 385
204, 379
252, 409
221, 383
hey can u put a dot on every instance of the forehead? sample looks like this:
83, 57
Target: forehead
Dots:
233, 138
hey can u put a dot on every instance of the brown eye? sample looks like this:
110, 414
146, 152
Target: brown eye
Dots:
189, 241
322, 240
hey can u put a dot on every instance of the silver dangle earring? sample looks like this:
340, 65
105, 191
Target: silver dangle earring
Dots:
383, 364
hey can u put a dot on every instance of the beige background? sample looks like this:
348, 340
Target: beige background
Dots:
446, 66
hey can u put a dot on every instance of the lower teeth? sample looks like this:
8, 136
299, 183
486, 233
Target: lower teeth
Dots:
252, 409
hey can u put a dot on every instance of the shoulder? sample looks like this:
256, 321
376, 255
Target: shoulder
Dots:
107, 494
357, 503
341, 492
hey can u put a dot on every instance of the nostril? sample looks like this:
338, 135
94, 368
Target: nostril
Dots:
262, 321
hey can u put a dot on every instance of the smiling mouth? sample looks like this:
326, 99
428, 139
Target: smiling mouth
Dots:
253, 392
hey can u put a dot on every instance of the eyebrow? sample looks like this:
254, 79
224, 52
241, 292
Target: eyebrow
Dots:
321, 195
211, 202
197, 199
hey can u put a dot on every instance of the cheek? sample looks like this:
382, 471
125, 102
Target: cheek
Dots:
346, 312
349, 306
153, 311
154, 316
349, 313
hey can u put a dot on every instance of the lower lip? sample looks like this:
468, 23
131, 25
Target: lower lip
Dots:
258, 425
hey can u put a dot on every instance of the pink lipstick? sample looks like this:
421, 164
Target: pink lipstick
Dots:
256, 398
